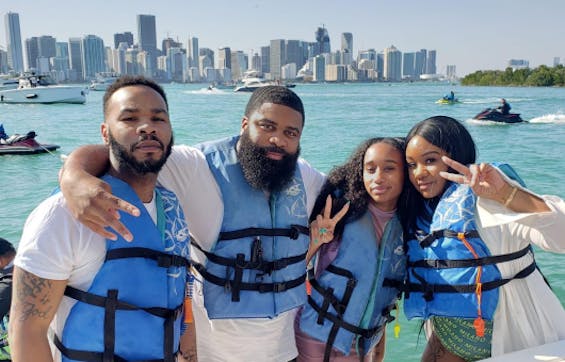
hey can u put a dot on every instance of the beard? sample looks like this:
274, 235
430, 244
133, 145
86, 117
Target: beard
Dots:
126, 159
262, 172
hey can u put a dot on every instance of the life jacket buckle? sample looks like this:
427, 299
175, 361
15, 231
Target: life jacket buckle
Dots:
164, 261
294, 233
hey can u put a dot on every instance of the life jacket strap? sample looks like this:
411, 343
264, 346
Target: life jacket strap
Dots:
468, 263
235, 286
292, 232
426, 240
429, 289
164, 260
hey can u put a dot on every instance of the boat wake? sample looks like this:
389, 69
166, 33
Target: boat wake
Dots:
558, 118
206, 91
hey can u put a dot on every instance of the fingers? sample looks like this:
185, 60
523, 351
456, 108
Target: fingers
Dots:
341, 213
460, 179
462, 169
328, 207
119, 204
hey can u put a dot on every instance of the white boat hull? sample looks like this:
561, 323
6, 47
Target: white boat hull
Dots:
45, 94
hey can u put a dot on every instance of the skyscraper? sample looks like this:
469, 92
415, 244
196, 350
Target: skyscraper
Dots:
278, 57
32, 52
265, 59
192, 50
323, 41
147, 39
93, 56
14, 42
146, 32
347, 42
75, 59
392, 63
125, 37
431, 62
224, 58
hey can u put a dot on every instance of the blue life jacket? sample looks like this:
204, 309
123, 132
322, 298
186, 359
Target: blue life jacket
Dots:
353, 296
132, 309
257, 268
447, 260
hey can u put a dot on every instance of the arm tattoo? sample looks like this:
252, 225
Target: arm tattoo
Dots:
33, 293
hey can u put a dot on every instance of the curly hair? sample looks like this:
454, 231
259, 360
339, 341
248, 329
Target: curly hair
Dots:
345, 184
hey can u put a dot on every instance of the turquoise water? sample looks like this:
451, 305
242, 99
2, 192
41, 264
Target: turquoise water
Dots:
338, 117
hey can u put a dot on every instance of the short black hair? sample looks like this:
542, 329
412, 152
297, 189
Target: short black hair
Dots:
6, 247
277, 95
127, 81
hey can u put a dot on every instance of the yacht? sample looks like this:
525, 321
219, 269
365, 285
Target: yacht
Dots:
42, 89
103, 81
252, 80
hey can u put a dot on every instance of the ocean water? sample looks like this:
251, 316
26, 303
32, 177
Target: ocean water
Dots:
338, 117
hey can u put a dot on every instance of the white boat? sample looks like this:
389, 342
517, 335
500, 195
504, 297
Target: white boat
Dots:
41, 89
250, 84
551, 352
103, 81
8, 83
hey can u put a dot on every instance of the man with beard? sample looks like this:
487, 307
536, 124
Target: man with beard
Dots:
247, 199
80, 297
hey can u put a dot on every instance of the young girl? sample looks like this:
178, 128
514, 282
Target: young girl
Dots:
360, 262
471, 271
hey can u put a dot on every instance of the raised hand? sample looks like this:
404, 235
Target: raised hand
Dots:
92, 203
484, 179
322, 229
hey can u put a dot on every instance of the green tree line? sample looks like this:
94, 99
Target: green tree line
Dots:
542, 76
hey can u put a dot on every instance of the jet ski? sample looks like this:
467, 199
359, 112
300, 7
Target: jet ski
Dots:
26, 144
492, 114
447, 101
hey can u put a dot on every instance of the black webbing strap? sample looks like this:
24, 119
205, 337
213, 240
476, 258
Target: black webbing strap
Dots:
111, 302
428, 239
430, 289
264, 266
468, 263
164, 260
260, 287
100, 301
292, 232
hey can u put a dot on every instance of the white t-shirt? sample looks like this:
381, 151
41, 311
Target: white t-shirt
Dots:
187, 174
54, 245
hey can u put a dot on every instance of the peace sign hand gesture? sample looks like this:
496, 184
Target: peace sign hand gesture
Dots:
322, 229
484, 179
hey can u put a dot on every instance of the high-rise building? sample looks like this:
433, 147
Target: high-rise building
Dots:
347, 42
75, 60
168, 43
205, 60
319, 69
47, 47
32, 52
3, 61
409, 65
192, 52
239, 64
294, 53
392, 64
125, 37
14, 42
224, 58
431, 62
556, 61
62, 49
277, 57
265, 59
322, 41
93, 56
450, 72
147, 40
146, 32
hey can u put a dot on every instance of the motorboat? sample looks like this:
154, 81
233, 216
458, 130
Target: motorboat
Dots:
8, 83
42, 89
26, 144
103, 80
494, 115
253, 83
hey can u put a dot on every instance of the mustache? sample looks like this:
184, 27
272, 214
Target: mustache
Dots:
274, 149
147, 137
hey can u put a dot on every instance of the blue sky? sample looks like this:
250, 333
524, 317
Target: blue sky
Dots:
472, 34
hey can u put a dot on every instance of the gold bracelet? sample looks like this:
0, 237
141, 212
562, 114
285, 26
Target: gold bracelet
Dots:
511, 196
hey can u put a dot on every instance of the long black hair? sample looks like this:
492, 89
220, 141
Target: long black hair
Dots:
345, 184
451, 136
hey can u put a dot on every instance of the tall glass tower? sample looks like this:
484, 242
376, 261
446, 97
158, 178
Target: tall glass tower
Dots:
14, 42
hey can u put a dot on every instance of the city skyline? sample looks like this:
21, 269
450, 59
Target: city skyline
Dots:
471, 36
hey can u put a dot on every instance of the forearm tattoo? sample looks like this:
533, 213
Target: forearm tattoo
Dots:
33, 294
